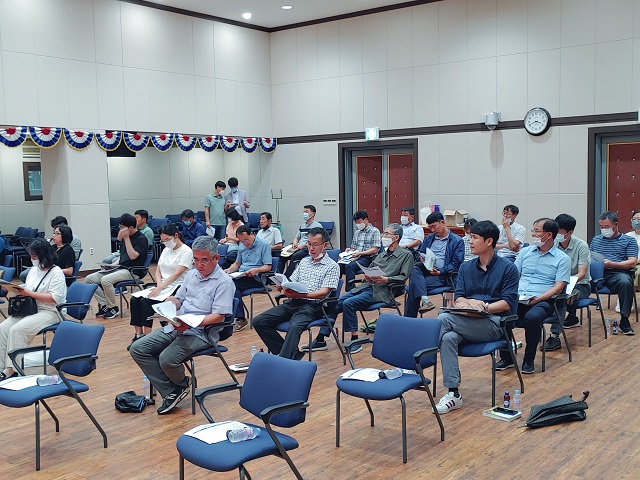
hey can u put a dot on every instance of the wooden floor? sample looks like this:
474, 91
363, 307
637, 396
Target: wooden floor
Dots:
142, 446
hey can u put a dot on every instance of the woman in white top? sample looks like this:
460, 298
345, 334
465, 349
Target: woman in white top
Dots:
176, 258
46, 284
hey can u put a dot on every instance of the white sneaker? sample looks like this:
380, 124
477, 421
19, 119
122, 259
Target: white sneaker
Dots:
449, 402
618, 306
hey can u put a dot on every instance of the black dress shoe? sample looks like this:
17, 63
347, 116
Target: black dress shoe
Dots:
503, 365
527, 367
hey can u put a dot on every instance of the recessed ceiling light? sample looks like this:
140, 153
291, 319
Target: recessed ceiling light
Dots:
287, 7
246, 16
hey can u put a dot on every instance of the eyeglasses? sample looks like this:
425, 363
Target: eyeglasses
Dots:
534, 232
202, 261
315, 245
56, 234
388, 234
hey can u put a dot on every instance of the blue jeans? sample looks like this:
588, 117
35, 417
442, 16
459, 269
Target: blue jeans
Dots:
349, 304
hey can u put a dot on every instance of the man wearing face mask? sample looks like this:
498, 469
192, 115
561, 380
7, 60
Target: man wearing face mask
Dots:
511, 233
396, 263
412, 234
544, 272
270, 234
237, 199
192, 228
578, 252
364, 246
214, 211
321, 274
620, 254
635, 234
300, 240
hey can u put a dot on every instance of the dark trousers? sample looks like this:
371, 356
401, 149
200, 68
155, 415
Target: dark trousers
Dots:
419, 285
293, 262
299, 314
243, 284
583, 292
219, 231
350, 270
531, 318
622, 284
141, 310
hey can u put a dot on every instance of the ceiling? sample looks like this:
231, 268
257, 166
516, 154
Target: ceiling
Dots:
269, 13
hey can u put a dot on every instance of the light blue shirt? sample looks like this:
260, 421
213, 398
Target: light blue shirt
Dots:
410, 233
439, 249
257, 255
539, 272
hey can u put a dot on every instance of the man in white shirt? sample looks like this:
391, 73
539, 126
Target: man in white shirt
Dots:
412, 234
270, 234
511, 234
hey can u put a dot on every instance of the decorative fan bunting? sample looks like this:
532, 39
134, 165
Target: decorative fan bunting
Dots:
78, 139
268, 145
136, 142
162, 142
229, 144
109, 140
209, 143
13, 136
45, 137
186, 142
249, 145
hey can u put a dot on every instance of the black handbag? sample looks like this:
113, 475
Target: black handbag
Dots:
560, 410
130, 402
22, 306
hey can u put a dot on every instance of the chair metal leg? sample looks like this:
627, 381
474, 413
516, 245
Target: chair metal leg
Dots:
404, 429
181, 468
589, 319
493, 379
194, 385
604, 323
435, 411
37, 404
513, 358
251, 312
544, 350
282, 451
370, 412
337, 418
86, 410
51, 414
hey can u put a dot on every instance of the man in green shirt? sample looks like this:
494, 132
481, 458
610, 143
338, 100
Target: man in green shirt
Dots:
214, 213
142, 216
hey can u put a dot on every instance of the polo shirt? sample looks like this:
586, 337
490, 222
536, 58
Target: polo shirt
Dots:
147, 232
270, 235
302, 235
540, 271
578, 252
518, 232
257, 255
616, 249
216, 209
324, 273
411, 232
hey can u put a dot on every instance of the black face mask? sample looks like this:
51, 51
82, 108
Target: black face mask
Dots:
266, 228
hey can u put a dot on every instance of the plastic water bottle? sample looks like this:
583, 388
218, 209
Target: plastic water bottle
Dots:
607, 323
507, 400
614, 330
48, 380
517, 400
242, 434
390, 373
146, 387
254, 350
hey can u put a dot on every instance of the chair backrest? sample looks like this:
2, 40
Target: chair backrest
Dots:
76, 267
73, 338
174, 218
156, 223
7, 272
227, 331
596, 269
397, 338
333, 254
222, 249
328, 226
254, 220
273, 380
200, 215
80, 292
274, 264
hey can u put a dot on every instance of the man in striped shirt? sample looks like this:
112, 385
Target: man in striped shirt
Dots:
620, 254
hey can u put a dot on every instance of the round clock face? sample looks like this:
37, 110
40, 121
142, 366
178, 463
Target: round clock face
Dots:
537, 121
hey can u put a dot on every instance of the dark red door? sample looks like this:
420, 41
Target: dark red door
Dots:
369, 190
623, 181
400, 183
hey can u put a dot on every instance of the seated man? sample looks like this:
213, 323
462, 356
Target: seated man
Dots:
364, 246
142, 217
488, 283
207, 291
620, 254
76, 244
412, 234
511, 233
468, 254
544, 272
254, 258
396, 263
449, 251
192, 228
270, 234
321, 275
578, 252
300, 240
133, 253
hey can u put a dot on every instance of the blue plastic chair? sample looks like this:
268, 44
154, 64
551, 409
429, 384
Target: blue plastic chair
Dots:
275, 390
596, 269
602, 290
73, 351
329, 226
254, 221
408, 343
264, 289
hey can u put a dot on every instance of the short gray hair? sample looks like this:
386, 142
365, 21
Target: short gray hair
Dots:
206, 243
397, 229
612, 216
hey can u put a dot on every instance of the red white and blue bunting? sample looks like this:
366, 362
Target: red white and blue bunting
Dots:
162, 142
186, 142
45, 137
13, 136
109, 140
77, 139
249, 145
229, 144
209, 143
268, 145
136, 142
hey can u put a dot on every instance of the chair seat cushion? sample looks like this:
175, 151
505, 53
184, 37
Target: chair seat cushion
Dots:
382, 389
28, 396
251, 291
284, 326
224, 456
206, 351
378, 305
480, 349
585, 302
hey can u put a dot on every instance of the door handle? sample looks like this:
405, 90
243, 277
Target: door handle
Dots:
386, 197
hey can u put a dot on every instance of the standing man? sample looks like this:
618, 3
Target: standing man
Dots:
511, 233
142, 217
133, 253
237, 199
192, 228
620, 254
321, 275
544, 272
300, 240
214, 211
578, 252
206, 291
254, 258
364, 246
412, 234
488, 283
270, 234
449, 251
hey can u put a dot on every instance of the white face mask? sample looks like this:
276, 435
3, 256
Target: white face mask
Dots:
607, 232
386, 241
360, 226
170, 244
635, 223
561, 238
537, 242
35, 263
305, 216
404, 220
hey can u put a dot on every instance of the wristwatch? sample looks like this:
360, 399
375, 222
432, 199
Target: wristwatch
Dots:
486, 307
